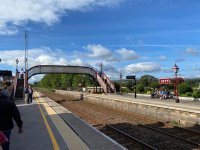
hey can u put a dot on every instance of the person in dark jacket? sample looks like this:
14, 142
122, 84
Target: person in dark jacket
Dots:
8, 112
30, 94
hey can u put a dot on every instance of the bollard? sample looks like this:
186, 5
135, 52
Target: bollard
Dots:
81, 98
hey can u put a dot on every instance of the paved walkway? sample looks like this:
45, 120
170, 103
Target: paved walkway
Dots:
184, 104
49, 126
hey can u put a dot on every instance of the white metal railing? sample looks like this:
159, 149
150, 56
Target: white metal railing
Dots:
110, 84
101, 82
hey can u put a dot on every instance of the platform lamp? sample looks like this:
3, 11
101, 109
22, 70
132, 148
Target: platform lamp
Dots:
176, 69
17, 61
120, 78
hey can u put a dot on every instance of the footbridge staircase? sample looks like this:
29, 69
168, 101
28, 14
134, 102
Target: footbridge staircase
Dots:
18, 85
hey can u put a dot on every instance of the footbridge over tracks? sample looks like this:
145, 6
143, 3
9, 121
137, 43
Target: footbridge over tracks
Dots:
103, 80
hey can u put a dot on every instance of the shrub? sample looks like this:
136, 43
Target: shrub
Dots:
125, 90
184, 88
188, 94
149, 92
147, 89
140, 89
196, 94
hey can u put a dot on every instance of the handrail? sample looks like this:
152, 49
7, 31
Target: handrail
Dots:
101, 82
109, 82
15, 84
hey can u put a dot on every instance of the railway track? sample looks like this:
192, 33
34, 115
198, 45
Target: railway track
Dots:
125, 139
131, 130
187, 135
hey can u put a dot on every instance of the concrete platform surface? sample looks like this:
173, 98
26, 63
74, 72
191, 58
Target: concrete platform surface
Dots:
47, 125
169, 103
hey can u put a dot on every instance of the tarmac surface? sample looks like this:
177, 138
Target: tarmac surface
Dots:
49, 126
183, 104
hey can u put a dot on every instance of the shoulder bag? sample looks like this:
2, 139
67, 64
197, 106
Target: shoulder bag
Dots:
3, 138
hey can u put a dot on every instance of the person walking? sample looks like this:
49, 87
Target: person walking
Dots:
30, 94
8, 112
6, 92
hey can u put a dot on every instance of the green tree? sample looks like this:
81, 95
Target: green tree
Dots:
140, 88
56, 80
66, 80
129, 85
147, 80
46, 81
184, 88
76, 81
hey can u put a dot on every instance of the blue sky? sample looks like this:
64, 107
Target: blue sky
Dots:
128, 36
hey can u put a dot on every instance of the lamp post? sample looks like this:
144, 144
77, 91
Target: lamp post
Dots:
120, 77
176, 69
17, 61
83, 83
134, 80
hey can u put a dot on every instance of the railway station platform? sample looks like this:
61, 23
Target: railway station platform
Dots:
186, 112
49, 126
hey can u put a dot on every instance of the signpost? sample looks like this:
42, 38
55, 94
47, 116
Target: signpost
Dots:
130, 77
165, 81
134, 83
6, 73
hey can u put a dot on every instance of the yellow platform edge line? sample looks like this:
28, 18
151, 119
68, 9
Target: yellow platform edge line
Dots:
52, 137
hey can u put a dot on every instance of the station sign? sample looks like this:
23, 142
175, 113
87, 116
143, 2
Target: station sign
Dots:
165, 81
5, 73
130, 77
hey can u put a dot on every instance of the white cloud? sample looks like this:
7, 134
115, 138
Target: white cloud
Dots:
36, 78
196, 67
127, 54
167, 70
142, 67
78, 62
37, 56
192, 51
14, 13
162, 58
99, 51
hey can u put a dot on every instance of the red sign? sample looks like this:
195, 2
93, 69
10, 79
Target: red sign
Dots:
165, 81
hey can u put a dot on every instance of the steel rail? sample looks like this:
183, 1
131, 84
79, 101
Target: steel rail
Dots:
174, 136
189, 130
131, 137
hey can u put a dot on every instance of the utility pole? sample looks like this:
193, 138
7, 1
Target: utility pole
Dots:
26, 50
26, 36
101, 67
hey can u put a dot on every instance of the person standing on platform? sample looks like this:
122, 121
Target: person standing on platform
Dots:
30, 94
8, 112
26, 95
21, 74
